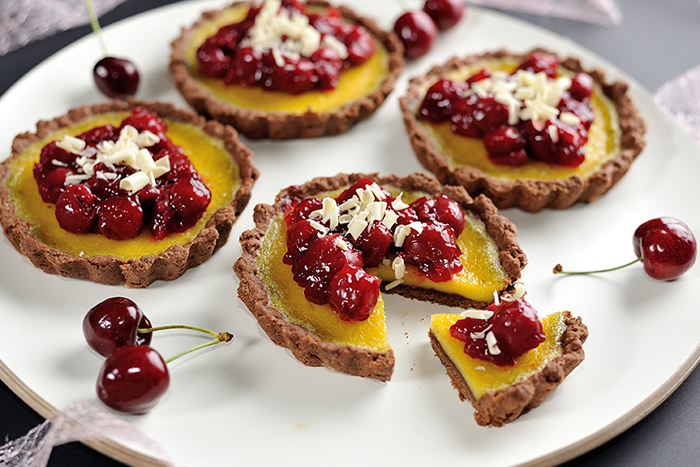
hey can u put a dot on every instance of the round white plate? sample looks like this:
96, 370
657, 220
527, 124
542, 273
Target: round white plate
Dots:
252, 404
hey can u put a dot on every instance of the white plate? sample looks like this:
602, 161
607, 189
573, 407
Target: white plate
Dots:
252, 404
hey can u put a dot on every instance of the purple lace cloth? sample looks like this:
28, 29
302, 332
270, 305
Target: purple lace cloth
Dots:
681, 97
80, 421
601, 12
24, 21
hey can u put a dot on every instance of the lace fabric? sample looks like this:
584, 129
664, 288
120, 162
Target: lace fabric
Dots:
80, 421
600, 12
681, 97
24, 21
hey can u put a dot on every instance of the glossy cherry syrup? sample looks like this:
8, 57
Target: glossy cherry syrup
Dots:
329, 264
483, 116
224, 56
98, 205
515, 326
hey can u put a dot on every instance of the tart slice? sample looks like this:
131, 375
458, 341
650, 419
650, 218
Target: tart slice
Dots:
530, 131
124, 193
503, 359
312, 269
286, 69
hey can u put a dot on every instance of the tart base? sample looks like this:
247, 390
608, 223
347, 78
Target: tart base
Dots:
528, 194
505, 405
256, 124
305, 345
108, 269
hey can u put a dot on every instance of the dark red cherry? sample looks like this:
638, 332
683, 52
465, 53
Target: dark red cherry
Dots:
437, 104
540, 62
374, 243
302, 210
441, 209
445, 13
76, 209
120, 217
433, 251
116, 77
190, 198
517, 327
666, 246
506, 146
114, 323
360, 45
353, 293
417, 31
133, 379
581, 86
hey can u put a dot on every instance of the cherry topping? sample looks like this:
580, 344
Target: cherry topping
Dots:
440, 209
116, 77
540, 62
506, 145
417, 31
437, 104
515, 328
581, 86
76, 209
434, 251
133, 379
666, 246
114, 323
353, 293
445, 13
120, 217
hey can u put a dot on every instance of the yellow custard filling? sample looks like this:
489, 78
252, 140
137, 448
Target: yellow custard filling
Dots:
603, 136
288, 297
354, 84
208, 155
481, 276
482, 376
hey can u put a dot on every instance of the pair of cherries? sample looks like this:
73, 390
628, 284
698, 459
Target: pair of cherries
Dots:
418, 29
666, 247
134, 375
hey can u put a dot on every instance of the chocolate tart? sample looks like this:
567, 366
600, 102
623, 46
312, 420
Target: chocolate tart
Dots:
535, 185
212, 98
532, 382
363, 349
166, 259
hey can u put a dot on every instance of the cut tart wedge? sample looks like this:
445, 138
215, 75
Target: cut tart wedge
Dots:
503, 359
311, 270
530, 131
286, 69
124, 192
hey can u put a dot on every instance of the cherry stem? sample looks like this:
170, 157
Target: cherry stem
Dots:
220, 337
96, 25
177, 326
559, 270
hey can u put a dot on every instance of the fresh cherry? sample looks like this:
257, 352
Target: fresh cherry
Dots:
133, 379
134, 376
114, 323
76, 209
116, 77
445, 13
417, 31
666, 246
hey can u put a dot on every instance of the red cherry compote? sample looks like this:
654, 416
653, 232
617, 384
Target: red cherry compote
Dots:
237, 53
85, 181
331, 241
530, 114
511, 331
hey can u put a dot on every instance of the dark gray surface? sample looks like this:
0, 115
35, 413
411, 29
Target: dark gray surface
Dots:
656, 41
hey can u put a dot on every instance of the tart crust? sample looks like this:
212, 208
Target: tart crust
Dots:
505, 405
529, 194
108, 269
305, 345
256, 124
